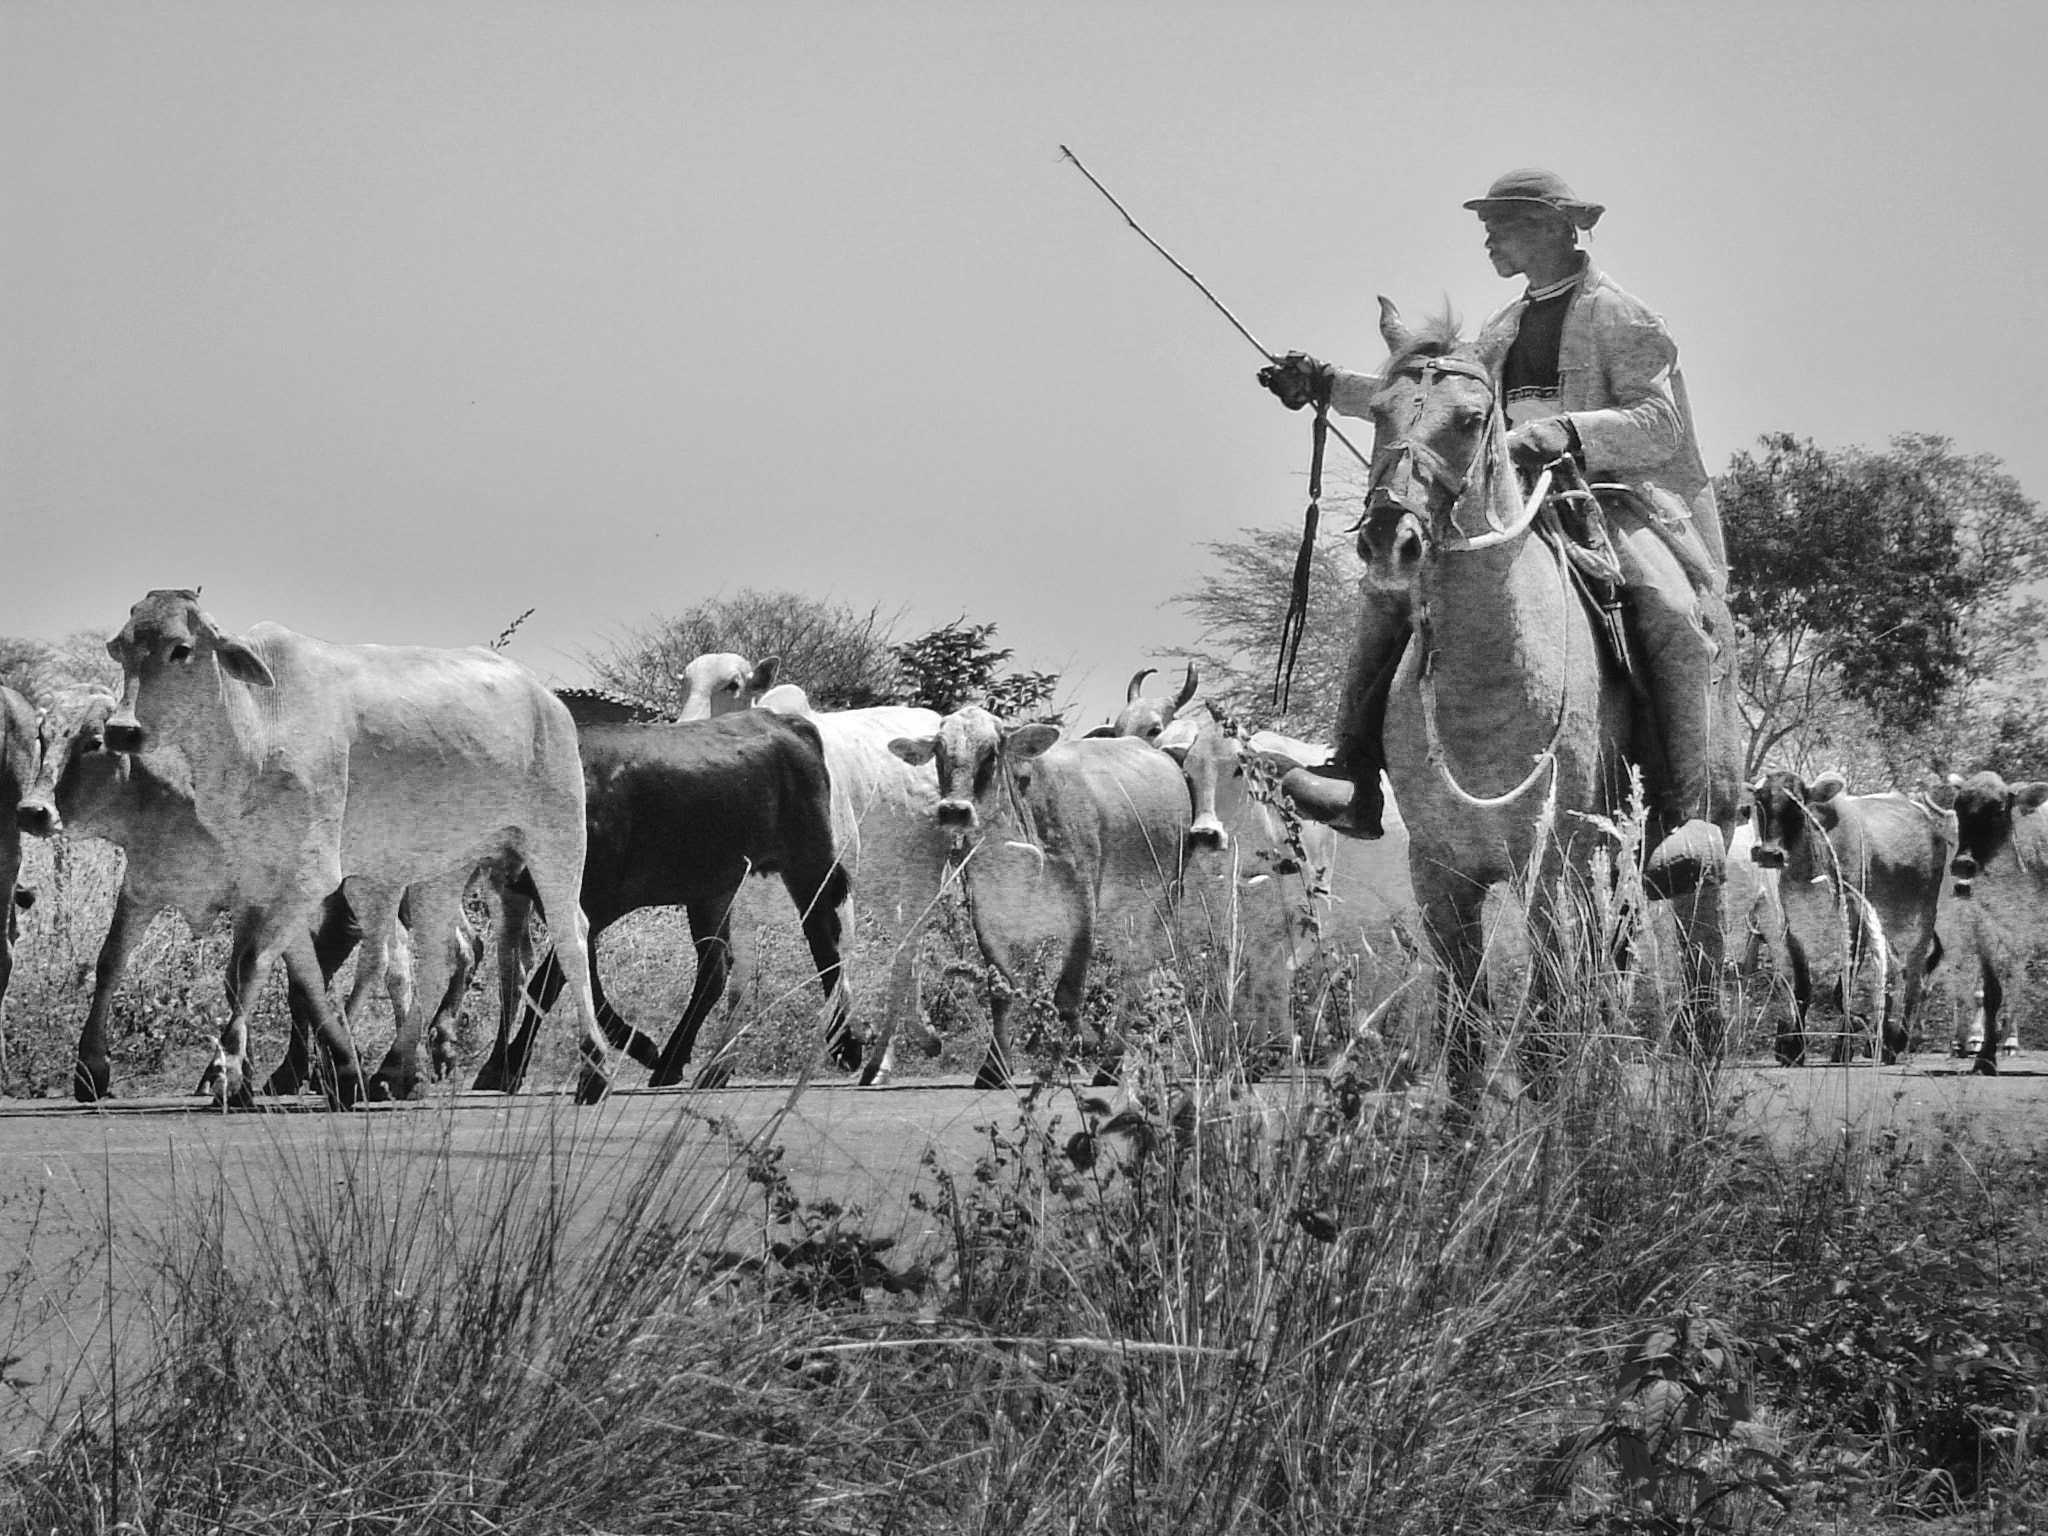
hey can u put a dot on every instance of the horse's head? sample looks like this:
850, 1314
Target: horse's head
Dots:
1439, 467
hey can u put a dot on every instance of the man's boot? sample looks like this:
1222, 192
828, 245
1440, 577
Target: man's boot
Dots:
1690, 782
1345, 793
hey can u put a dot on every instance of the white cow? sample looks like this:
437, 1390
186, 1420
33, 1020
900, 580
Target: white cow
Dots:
2000, 912
721, 682
1861, 886
142, 804
1067, 842
1267, 887
370, 769
887, 839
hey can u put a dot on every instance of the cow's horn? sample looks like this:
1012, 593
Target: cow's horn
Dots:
1138, 682
1187, 689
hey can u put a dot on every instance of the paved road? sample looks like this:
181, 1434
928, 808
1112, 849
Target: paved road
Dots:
141, 1170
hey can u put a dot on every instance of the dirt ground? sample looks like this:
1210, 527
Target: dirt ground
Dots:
86, 1197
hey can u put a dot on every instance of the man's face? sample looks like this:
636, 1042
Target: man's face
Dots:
1518, 238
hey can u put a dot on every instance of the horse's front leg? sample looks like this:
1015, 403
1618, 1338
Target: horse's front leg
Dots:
1454, 918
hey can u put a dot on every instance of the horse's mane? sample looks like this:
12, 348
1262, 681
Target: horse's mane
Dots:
1435, 337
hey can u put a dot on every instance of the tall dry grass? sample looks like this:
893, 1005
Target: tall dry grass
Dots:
1330, 1302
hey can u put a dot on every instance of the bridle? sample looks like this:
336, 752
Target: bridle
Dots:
1405, 467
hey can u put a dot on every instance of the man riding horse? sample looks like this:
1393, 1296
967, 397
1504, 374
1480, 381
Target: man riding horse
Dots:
1585, 373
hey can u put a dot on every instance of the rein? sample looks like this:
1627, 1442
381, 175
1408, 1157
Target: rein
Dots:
1435, 750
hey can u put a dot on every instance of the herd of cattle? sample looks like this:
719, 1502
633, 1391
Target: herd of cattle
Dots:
331, 799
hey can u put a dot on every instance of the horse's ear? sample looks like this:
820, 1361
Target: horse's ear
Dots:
1392, 330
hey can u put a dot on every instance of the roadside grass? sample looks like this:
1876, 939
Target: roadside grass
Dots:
1171, 1305
1330, 1302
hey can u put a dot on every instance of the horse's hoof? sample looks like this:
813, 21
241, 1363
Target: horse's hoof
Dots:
591, 1085
92, 1083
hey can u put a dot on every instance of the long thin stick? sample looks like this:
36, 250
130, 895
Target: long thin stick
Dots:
1269, 356
1221, 309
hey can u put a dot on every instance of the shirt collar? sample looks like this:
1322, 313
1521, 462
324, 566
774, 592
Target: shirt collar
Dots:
1535, 295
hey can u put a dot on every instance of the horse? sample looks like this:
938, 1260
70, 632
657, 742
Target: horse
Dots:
1509, 726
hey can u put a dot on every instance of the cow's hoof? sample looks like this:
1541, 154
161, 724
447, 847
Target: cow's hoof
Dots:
344, 1089
1984, 1066
493, 1078
933, 1045
716, 1073
848, 1050
229, 1088
92, 1082
591, 1085
390, 1090
993, 1074
284, 1083
869, 1072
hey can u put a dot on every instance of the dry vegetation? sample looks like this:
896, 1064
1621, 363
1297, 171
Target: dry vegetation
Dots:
1336, 1309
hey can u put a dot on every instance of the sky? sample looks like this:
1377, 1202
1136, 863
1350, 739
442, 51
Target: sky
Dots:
388, 322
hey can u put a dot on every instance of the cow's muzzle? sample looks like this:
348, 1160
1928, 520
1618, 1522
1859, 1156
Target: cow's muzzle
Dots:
1207, 832
1966, 870
38, 818
124, 735
956, 813
1767, 858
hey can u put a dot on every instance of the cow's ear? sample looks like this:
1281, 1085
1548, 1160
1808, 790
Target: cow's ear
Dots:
1943, 796
915, 750
1099, 731
2030, 797
763, 677
1177, 750
242, 664
1742, 811
1826, 787
1029, 741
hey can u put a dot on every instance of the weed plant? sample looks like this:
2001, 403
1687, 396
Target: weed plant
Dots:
1333, 1301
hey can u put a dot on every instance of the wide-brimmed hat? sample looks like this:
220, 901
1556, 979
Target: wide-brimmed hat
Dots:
1537, 186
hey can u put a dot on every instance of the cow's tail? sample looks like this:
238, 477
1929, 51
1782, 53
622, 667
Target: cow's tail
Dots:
1934, 956
837, 888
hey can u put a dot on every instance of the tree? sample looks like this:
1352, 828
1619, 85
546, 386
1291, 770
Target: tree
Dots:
841, 658
956, 664
1241, 608
1878, 592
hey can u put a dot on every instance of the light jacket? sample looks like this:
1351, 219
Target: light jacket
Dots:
1619, 382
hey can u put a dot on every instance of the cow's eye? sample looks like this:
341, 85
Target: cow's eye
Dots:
88, 744
181, 652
